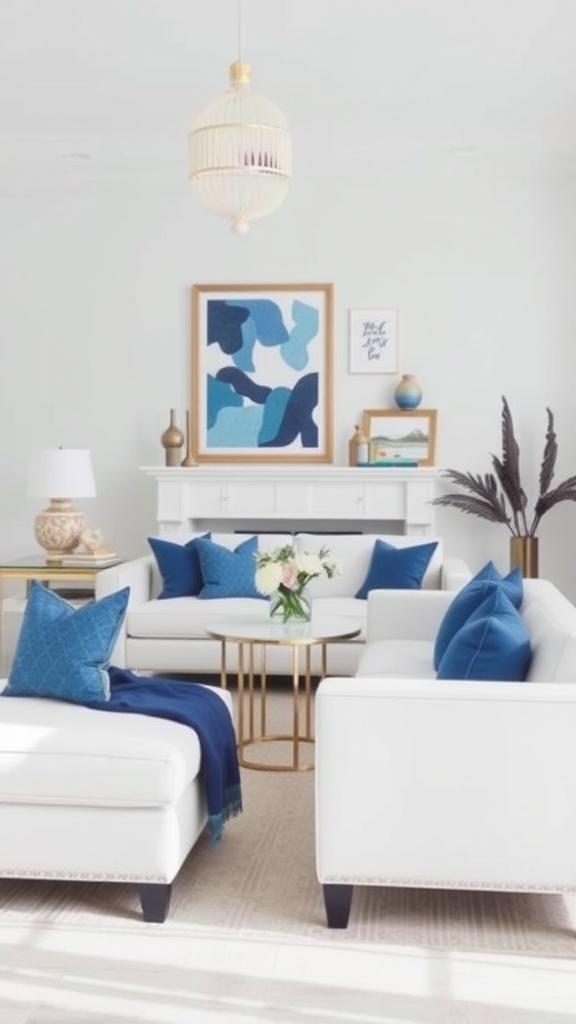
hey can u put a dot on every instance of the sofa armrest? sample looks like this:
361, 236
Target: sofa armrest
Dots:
136, 574
448, 783
454, 574
405, 614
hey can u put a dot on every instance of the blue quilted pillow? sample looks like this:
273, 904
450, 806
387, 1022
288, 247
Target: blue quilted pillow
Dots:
394, 568
179, 567
470, 597
64, 652
494, 643
228, 573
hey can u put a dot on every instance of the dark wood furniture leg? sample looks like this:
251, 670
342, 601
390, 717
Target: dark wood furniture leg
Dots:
338, 901
155, 901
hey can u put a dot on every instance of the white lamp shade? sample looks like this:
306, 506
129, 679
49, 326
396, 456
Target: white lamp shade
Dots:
61, 473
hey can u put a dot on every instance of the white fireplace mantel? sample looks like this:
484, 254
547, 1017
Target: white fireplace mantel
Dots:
311, 497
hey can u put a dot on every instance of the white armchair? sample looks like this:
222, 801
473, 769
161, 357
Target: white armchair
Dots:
432, 784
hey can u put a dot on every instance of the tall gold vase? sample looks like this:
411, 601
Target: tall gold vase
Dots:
524, 553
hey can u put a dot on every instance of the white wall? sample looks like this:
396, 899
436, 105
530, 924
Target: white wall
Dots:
475, 248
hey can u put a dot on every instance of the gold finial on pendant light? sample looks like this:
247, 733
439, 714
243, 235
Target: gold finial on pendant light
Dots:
240, 151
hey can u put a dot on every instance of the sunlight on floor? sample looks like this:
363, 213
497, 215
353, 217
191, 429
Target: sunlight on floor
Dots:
169, 975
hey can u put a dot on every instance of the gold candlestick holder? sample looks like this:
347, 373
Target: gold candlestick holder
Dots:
188, 459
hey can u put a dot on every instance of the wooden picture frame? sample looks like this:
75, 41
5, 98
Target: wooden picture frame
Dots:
373, 341
262, 372
401, 434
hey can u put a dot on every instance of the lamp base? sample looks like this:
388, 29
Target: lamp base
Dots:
58, 527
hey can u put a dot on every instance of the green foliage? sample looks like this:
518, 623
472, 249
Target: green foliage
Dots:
499, 496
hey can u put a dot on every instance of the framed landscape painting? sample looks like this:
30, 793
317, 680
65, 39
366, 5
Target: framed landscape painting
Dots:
403, 435
262, 372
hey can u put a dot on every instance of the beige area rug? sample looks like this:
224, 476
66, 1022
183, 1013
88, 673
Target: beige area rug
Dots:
262, 880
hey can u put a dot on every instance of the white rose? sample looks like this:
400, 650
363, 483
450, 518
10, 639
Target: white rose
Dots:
268, 577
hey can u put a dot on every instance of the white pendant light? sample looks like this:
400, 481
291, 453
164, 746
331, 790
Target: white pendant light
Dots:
240, 151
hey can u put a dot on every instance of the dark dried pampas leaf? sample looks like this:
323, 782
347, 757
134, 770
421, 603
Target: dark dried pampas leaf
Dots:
508, 469
499, 496
484, 500
549, 457
565, 491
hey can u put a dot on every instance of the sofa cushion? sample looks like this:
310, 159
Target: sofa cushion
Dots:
228, 573
354, 552
470, 597
186, 618
63, 651
397, 659
55, 752
393, 568
494, 643
179, 567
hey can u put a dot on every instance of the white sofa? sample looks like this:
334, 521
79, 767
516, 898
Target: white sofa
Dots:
169, 635
98, 797
431, 784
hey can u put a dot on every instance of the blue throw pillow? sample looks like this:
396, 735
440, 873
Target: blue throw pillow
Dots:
470, 597
179, 567
64, 652
228, 573
397, 568
494, 643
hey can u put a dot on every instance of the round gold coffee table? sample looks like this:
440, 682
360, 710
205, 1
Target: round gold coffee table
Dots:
251, 634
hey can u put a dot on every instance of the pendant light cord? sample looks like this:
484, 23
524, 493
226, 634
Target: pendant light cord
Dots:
239, 30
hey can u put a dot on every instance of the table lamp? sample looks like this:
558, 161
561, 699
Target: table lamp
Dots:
60, 474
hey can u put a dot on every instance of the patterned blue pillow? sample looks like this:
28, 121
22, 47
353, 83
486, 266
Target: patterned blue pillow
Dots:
470, 597
228, 573
494, 643
394, 568
179, 567
64, 652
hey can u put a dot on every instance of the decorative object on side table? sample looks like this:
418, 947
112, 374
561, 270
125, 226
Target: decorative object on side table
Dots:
172, 440
500, 497
408, 393
284, 574
60, 474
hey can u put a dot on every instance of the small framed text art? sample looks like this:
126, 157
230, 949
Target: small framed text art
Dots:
373, 341
262, 372
405, 436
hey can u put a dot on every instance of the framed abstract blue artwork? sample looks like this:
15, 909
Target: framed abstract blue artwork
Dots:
262, 372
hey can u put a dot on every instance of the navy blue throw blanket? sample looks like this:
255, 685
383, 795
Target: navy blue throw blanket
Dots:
200, 709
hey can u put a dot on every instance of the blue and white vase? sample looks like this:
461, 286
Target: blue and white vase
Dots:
408, 393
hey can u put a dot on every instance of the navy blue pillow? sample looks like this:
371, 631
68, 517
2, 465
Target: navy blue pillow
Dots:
397, 568
179, 567
64, 652
493, 643
228, 573
470, 597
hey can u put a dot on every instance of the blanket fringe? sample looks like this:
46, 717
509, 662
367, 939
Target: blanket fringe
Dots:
231, 809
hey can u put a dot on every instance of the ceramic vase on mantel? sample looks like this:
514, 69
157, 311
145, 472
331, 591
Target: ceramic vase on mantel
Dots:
524, 554
408, 393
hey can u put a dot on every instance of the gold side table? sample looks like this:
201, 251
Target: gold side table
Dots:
35, 567
251, 634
